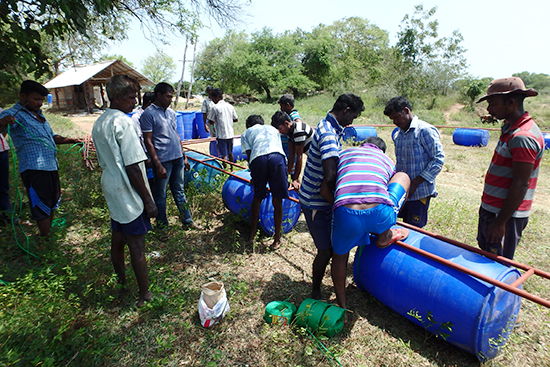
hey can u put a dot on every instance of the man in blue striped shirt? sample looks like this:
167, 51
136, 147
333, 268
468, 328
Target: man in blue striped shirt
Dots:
319, 181
419, 154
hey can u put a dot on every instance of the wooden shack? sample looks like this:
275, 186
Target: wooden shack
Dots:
82, 87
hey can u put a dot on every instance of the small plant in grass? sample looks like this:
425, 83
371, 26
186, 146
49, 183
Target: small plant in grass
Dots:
443, 329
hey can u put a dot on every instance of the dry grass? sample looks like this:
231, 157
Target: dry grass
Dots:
167, 331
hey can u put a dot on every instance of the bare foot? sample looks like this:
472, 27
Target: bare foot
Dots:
145, 298
122, 293
391, 236
276, 245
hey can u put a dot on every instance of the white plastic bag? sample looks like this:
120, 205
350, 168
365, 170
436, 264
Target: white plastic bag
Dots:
213, 304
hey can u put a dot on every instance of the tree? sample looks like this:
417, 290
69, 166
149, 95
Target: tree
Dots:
159, 67
473, 89
117, 57
22, 24
534, 80
423, 62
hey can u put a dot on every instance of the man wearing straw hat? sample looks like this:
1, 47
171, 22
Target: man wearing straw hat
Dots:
512, 175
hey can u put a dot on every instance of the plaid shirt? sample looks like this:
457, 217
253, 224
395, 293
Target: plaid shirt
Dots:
34, 144
419, 153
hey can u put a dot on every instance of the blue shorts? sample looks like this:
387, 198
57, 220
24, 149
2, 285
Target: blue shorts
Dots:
269, 168
43, 190
352, 227
140, 225
415, 212
319, 223
225, 147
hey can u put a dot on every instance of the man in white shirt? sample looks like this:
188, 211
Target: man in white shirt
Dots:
124, 182
223, 115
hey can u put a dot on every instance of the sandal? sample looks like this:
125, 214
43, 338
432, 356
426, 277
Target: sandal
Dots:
399, 234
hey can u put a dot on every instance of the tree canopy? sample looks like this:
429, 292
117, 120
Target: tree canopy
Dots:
159, 68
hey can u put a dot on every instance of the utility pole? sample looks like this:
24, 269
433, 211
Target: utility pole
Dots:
182, 73
194, 41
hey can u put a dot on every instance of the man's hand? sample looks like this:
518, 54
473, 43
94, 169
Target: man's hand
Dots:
206, 128
295, 185
495, 232
150, 209
161, 171
186, 165
5, 121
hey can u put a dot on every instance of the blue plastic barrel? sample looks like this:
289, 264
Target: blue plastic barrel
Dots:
185, 124
546, 140
358, 133
471, 137
238, 195
481, 314
50, 98
198, 127
202, 177
238, 154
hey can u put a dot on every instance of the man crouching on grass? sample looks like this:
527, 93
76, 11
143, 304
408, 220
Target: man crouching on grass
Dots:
124, 182
267, 162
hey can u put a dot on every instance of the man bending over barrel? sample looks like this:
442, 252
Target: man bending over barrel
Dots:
267, 162
369, 194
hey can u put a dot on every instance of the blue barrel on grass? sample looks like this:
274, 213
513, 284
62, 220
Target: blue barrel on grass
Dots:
358, 133
546, 140
185, 124
238, 195
198, 127
50, 98
480, 315
471, 137
213, 149
238, 154
202, 177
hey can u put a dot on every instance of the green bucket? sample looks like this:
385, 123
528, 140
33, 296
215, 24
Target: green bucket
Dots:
279, 312
320, 317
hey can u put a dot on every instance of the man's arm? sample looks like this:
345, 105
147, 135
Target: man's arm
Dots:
136, 180
521, 172
5, 121
159, 168
62, 140
329, 179
299, 154
431, 143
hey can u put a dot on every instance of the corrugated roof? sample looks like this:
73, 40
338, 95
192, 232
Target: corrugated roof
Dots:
96, 73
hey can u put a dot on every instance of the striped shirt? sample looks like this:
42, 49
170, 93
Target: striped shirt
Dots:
419, 152
520, 142
363, 176
261, 140
325, 145
302, 134
34, 144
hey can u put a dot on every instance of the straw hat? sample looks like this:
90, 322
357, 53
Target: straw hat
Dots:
507, 86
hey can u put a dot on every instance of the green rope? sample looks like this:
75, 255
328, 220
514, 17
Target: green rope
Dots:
330, 356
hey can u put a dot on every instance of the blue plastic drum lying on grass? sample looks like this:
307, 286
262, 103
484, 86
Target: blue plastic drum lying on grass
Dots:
202, 177
198, 127
546, 137
358, 133
237, 196
238, 154
185, 124
471, 137
480, 315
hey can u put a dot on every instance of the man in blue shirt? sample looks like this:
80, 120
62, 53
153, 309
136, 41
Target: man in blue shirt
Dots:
419, 154
35, 144
159, 127
319, 181
267, 162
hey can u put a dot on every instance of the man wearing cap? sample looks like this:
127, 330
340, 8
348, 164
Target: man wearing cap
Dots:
512, 175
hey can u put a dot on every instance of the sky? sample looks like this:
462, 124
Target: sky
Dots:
501, 37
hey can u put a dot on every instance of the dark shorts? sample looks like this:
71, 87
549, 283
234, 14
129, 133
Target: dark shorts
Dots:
319, 223
225, 147
512, 234
415, 212
352, 227
43, 190
140, 225
269, 168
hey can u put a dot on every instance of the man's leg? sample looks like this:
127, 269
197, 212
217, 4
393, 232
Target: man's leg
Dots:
136, 244
338, 270
254, 216
320, 228
319, 268
178, 191
44, 226
278, 217
118, 240
159, 195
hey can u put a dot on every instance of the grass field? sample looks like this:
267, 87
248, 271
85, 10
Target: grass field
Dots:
59, 307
